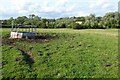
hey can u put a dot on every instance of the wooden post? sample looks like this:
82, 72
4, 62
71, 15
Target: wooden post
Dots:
22, 28
12, 26
35, 29
15, 28
28, 28
32, 28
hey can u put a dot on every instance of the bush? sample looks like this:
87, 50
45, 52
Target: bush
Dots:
74, 25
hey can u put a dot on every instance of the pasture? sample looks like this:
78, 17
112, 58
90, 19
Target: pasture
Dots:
62, 53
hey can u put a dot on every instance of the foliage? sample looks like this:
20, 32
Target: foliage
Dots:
75, 25
110, 20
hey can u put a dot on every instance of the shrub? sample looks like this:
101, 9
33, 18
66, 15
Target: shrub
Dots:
74, 25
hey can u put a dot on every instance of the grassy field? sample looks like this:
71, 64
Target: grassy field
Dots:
86, 53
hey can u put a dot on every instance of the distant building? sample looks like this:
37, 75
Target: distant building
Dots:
79, 22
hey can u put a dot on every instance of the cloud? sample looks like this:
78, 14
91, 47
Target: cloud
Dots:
61, 3
100, 7
82, 13
105, 6
70, 9
98, 3
55, 8
14, 8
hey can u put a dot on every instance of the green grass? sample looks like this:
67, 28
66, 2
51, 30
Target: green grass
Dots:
75, 54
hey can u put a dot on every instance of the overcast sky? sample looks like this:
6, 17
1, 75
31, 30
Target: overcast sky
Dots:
55, 8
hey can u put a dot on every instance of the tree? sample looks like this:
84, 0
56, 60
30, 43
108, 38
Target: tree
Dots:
111, 20
31, 16
75, 25
9, 21
87, 22
21, 20
44, 22
93, 21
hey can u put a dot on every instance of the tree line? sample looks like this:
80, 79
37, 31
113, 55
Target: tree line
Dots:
109, 20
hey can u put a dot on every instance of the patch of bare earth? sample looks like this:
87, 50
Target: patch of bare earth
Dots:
37, 39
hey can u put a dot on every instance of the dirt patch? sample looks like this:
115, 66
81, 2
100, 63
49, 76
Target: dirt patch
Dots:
37, 39
27, 57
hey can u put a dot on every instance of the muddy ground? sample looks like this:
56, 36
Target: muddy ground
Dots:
38, 39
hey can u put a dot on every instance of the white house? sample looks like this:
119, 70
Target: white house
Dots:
79, 22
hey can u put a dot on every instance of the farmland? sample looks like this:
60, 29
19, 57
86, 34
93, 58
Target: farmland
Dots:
62, 53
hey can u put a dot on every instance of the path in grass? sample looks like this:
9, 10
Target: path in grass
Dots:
76, 53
